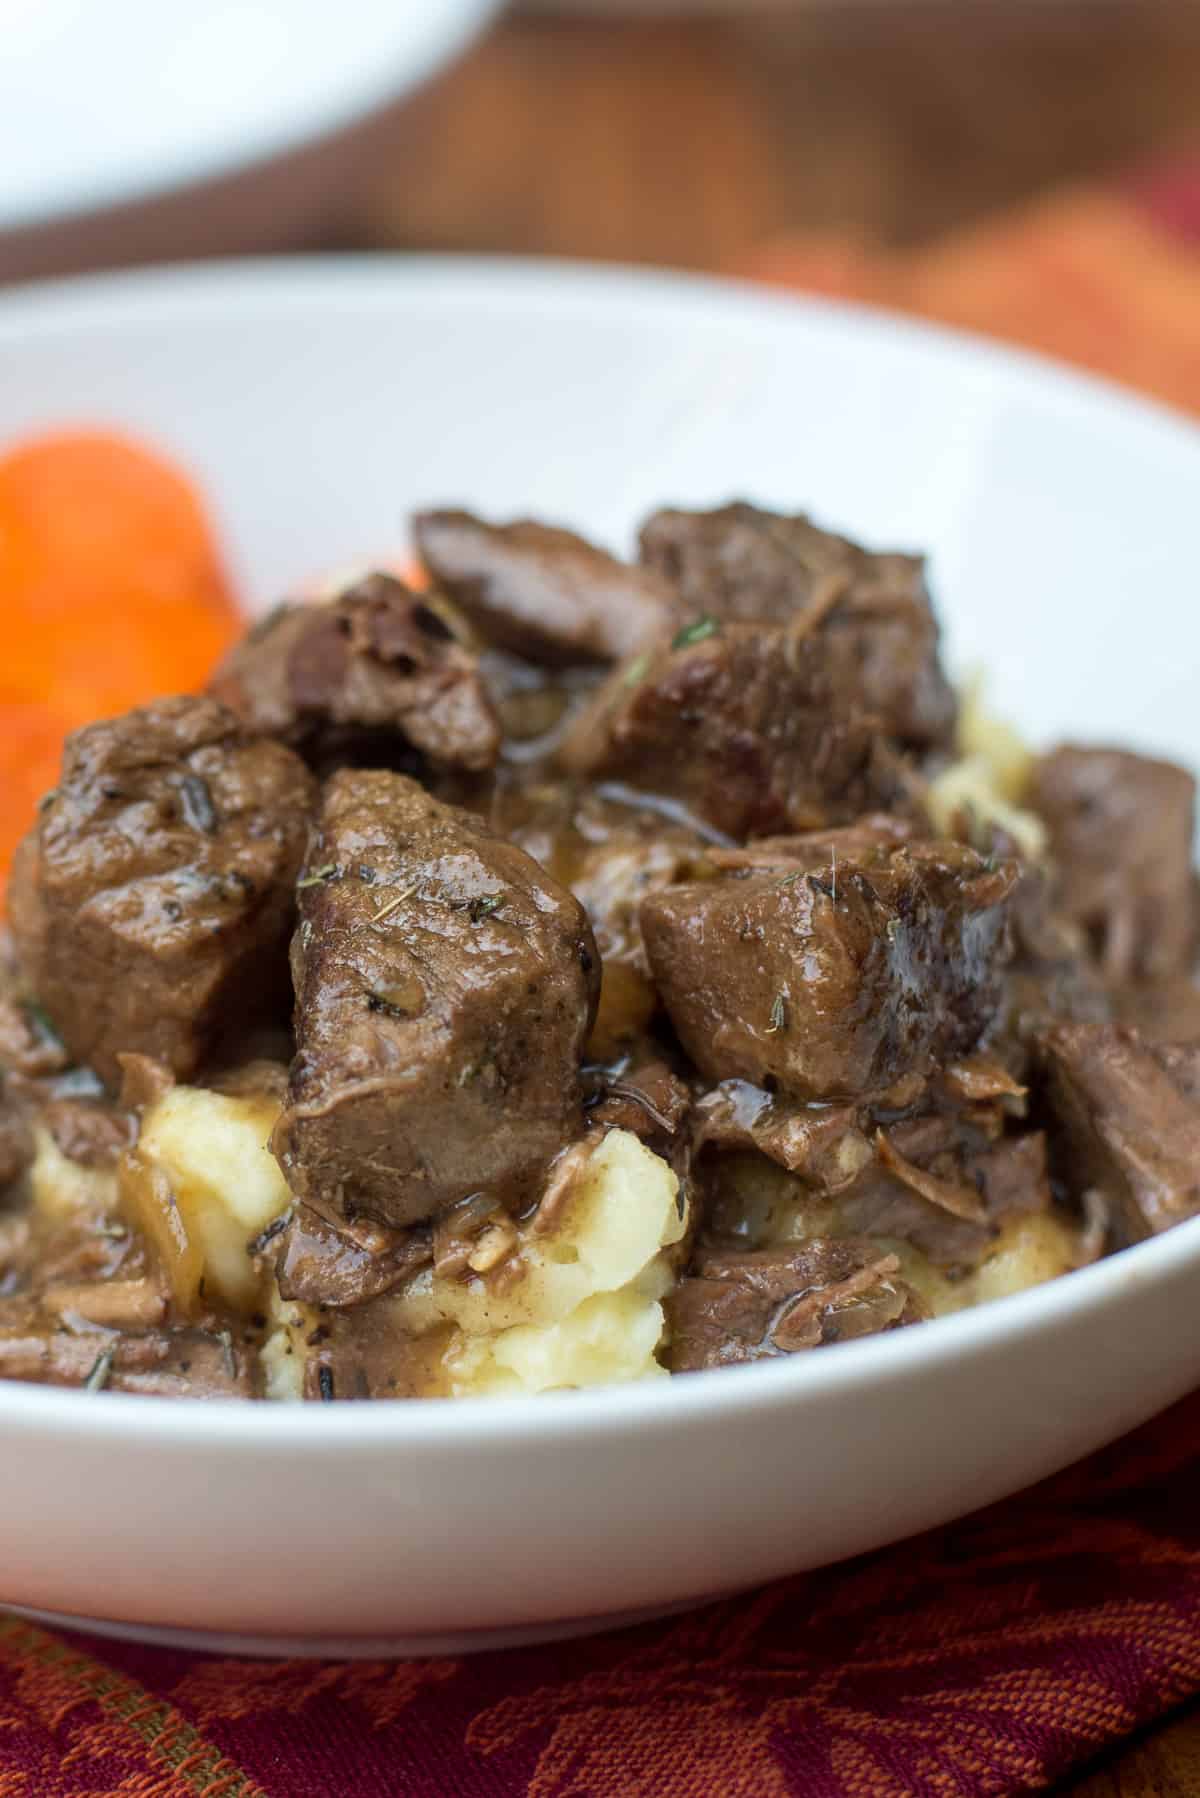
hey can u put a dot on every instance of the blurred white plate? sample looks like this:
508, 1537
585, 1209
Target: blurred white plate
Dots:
107, 107
318, 403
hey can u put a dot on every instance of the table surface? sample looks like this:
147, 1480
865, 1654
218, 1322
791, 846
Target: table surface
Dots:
689, 141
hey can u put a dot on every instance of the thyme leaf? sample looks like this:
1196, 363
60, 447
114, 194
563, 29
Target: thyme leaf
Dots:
778, 1015
318, 877
101, 1371
700, 628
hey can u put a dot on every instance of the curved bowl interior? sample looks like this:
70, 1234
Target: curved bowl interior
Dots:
318, 404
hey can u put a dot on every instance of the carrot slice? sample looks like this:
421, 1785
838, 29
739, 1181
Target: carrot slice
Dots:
112, 592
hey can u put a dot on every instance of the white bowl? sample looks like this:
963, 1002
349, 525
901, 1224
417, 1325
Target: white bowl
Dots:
318, 402
143, 128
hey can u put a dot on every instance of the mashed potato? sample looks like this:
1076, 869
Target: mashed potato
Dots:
989, 780
202, 1183
578, 1304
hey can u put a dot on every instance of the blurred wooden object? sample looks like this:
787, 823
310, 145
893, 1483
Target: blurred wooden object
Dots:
692, 141
689, 141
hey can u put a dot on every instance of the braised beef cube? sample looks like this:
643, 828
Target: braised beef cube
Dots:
945, 1183
742, 726
540, 592
445, 986
871, 612
752, 1305
152, 902
832, 985
377, 660
1127, 1125
1121, 830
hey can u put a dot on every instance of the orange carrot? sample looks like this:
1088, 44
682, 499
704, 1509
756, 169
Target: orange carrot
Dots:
111, 592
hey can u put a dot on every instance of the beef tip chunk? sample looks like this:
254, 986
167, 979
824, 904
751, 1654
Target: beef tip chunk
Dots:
540, 592
834, 985
946, 1184
1127, 1123
1121, 831
752, 1305
151, 903
377, 660
445, 986
744, 726
871, 612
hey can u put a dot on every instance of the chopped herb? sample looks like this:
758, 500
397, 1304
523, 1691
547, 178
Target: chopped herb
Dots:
365, 873
484, 905
778, 1015
43, 1029
47, 799
173, 910
264, 1237
789, 880
822, 886
680, 1202
325, 1382
227, 1354
318, 877
636, 671
198, 808
101, 1371
700, 628
385, 911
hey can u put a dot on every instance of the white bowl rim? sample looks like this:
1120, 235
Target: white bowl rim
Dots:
647, 1406
368, 83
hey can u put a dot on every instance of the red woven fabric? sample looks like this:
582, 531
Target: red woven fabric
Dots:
977, 1662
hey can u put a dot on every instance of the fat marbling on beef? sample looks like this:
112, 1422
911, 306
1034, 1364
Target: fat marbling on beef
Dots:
152, 902
445, 986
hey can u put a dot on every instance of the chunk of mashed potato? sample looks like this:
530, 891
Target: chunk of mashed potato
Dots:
578, 1302
989, 779
202, 1183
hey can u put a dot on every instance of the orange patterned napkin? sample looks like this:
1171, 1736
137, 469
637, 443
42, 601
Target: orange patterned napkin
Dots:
1106, 279
980, 1661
